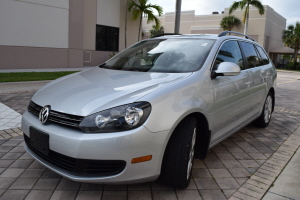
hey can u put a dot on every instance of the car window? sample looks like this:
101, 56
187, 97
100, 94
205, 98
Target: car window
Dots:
263, 55
162, 55
229, 52
251, 55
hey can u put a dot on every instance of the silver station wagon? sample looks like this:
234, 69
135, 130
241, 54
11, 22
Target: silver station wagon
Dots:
146, 113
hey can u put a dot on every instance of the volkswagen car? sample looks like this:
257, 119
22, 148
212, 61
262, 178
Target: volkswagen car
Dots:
146, 113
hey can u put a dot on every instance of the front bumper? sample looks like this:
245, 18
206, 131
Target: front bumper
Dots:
124, 145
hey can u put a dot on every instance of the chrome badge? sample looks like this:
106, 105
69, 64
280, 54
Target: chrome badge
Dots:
44, 114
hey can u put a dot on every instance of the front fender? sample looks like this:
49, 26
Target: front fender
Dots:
173, 103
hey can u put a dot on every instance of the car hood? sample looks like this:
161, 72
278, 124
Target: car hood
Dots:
98, 89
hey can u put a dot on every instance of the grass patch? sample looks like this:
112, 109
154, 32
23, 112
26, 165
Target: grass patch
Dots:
32, 76
290, 70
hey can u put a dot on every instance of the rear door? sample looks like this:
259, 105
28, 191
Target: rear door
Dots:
259, 75
231, 93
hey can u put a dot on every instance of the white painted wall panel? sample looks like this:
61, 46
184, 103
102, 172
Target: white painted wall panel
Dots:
108, 12
31, 24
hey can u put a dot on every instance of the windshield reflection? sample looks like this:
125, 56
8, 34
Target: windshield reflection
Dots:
162, 55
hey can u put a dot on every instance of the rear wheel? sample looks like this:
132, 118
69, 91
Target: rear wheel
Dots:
179, 155
264, 119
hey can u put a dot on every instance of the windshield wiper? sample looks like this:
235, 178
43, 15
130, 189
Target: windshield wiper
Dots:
102, 65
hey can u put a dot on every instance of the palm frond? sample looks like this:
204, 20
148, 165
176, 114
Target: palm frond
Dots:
136, 14
131, 5
152, 17
228, 22
142, 7
258, 5
157, 8
291, 38
235, 5
243, 3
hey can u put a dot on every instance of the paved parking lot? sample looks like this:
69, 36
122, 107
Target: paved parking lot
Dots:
222, 175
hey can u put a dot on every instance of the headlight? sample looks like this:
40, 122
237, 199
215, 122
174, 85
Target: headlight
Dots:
116, 119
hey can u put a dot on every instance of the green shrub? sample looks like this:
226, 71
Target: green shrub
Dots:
289, 66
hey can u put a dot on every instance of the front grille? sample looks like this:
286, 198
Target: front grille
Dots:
57, 117
80, 167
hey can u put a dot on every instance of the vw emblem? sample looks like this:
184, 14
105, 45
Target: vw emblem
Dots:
44, 114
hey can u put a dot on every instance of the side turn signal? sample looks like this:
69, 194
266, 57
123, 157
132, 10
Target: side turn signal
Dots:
141, 159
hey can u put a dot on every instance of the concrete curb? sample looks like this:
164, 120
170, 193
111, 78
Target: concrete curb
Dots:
288, 71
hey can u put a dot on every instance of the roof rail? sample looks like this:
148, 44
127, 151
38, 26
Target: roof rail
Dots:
224, 33
164, 34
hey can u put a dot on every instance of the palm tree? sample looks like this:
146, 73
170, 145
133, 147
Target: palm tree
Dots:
155, 31
140, 7
291, 38
177, 17
246, 4
228, 22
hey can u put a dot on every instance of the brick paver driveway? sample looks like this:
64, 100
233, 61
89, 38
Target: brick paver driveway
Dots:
222, 175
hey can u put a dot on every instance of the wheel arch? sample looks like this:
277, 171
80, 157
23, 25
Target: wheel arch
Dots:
203, 133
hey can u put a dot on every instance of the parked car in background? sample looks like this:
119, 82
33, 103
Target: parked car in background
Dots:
150, 110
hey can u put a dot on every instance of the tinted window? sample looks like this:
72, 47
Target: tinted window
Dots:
162, 55
251, 54
263, 55
107, 38
229, 52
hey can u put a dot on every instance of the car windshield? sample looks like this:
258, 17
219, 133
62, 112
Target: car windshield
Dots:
162, 55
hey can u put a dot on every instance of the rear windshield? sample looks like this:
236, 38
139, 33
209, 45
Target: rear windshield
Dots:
162, 55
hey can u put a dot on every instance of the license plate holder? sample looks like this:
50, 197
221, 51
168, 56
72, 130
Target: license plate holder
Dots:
39, 140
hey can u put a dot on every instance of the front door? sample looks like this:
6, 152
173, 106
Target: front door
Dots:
231, 93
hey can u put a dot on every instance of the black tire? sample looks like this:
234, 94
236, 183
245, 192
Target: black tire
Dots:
176, 161
264, 119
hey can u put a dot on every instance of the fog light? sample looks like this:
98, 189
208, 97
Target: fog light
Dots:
141, 159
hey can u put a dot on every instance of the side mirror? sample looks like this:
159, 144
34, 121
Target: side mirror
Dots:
226, 69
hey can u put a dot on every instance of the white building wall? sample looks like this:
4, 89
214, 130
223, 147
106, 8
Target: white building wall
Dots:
266, 29
108, 12
35, 23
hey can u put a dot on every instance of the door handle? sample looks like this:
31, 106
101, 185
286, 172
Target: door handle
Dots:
248, 83
266, 77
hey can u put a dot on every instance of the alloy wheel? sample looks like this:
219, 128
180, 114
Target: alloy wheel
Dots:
268, 109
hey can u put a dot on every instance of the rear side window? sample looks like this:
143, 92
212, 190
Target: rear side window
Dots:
263, 55
230, 52
251, 54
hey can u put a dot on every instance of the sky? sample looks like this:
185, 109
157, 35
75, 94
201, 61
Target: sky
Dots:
289, 9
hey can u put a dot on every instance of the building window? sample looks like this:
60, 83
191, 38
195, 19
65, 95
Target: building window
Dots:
107, 38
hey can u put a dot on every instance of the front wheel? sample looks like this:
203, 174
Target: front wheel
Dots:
179, 155
264, 119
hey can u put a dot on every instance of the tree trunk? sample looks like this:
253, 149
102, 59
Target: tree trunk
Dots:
177, 17
246, 25
139, 36
125, 35
295, 57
